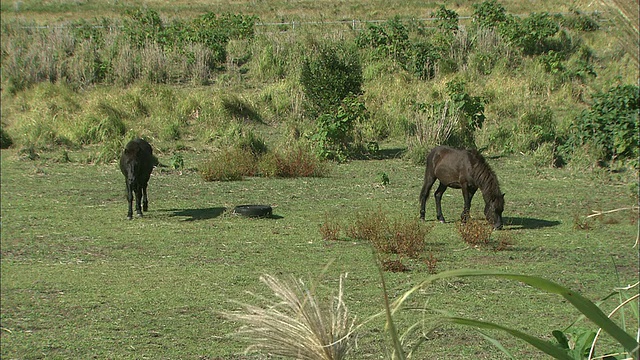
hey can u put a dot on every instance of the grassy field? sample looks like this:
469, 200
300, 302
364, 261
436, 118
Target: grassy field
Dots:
80, 281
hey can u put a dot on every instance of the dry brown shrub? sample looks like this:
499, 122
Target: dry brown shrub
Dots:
475, 232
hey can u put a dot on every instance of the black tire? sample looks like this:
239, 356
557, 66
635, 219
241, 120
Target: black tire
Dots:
253, 210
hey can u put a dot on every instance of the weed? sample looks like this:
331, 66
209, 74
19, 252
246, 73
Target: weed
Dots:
330, 230
431, 261
580, 223
400, 237
504, 242
475, 232
394, 266
408, 237
177, 162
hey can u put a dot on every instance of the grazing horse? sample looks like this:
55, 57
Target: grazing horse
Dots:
466, 170
136, 163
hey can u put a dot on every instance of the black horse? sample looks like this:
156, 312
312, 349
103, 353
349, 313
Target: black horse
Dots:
466, 170
136, 163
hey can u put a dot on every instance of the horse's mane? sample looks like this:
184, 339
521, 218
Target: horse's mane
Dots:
484, 176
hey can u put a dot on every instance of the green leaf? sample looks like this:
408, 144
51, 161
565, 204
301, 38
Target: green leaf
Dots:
586, 307
543, 345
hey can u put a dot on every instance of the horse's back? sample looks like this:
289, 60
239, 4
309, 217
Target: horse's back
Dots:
450, 165
139, 151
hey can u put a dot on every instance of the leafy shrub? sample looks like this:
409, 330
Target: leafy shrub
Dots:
489, 14
335, 136
471, 109
610, 124
390, 39
446, 19
330, 74
532, 34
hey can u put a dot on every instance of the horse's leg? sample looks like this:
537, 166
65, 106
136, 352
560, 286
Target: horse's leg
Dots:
429, 179
130, 202
437, 195
139, 201
145, 201
467, 193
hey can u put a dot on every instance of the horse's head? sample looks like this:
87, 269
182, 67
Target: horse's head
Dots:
493, 211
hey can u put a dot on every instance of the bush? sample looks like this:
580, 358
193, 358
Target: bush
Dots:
475, 232
610, 124
489, 14
532, 34
294, 161
5, 139
330, 74
229, 164
404, 238
335, 136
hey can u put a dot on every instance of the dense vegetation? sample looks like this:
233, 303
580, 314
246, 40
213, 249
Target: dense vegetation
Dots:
555, 98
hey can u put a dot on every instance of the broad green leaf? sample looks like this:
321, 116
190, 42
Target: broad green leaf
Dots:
543, 345
582, 304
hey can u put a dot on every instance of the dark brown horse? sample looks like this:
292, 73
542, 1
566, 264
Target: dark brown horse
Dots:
466, 170
136, 163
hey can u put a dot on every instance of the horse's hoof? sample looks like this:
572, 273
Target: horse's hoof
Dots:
139, 215
129, 217
441, 221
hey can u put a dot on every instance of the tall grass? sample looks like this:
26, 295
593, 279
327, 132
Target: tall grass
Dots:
298, 324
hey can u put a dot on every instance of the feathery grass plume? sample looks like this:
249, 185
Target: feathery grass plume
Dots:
297, 325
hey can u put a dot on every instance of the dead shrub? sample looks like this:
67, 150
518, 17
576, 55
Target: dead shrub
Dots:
431, 261
330, 230
401, 238
475, 232
504, 242
394, 266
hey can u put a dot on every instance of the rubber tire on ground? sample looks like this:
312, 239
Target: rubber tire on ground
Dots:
253, 210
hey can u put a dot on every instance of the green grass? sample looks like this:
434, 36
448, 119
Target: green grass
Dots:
78, 280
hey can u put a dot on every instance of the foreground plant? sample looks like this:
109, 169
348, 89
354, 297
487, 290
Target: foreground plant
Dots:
297, 325
559, 350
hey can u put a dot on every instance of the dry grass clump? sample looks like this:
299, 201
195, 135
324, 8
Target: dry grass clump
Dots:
296, 161
229, 165
297, 325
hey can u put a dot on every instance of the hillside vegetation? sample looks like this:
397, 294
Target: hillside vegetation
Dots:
326, 110
558, 86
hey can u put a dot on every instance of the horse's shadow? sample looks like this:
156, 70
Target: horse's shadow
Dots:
517, 223
198, 214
